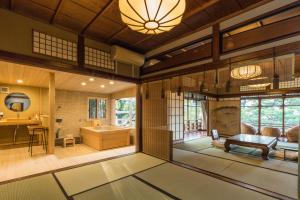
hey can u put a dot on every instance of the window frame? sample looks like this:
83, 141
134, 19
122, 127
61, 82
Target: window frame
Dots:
130, 112
283, 106
97, 107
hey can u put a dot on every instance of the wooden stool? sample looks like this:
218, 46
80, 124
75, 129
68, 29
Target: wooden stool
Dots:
37, 130
69, 140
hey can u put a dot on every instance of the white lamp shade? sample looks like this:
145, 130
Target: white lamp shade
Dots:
246, 72
152, 16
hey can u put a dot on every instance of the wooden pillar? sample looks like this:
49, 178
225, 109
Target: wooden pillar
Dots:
216, 43
139, 140
51, 133
80, 51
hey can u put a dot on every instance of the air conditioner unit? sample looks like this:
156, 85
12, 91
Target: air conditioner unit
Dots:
126, 56
4, 90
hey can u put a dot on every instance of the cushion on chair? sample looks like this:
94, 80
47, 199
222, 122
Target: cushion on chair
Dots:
218, 143
270, 131
292, 134
248, 129
291, 155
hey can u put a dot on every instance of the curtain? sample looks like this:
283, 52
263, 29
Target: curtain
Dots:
204, 115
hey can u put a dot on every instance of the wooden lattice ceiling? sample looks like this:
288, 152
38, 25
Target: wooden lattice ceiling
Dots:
100, 19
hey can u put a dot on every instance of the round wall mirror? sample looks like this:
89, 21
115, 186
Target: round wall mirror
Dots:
17, 102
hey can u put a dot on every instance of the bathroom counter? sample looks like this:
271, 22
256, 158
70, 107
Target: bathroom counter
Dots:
18, 122
14, 131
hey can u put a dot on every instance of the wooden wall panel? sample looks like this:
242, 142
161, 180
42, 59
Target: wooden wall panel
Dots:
225, 116
262, 34
157, 139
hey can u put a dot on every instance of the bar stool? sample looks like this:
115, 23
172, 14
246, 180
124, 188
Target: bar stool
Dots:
39, 131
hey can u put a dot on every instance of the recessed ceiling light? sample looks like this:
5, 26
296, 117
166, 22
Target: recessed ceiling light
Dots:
91, 79
83, 83
20, 81
111, 82
102, 86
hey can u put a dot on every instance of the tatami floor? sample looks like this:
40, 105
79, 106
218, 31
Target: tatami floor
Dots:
273, 177
207, 173
136, 176
16, 163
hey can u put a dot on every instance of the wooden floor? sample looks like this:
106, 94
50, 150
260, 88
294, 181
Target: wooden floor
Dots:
16, 163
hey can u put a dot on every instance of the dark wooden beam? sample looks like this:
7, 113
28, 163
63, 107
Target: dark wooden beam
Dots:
185, 16
80, 51
12, 5
139, 120
259, 55
107, 6
56, 12
117, 33
262, 35
215, 22
193, 55
216, 49
60, 66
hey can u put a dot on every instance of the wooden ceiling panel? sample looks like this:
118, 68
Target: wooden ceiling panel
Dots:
129, 36
245, 3
68, 22
86, 15
46, 3
37, 11
158, 40
104, 28
77, 12
222, 8
33, 76
198, 20
4, 4
93, 5
113, 12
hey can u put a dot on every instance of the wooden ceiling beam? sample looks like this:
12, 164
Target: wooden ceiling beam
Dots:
12, 5
57, 10
259, 55
107, 6
186, 16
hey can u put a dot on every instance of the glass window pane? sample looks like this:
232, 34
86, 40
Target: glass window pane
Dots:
292, 101
102, 108
249, 115
271, 117
249, 102
291, 116
92, 108
271, 102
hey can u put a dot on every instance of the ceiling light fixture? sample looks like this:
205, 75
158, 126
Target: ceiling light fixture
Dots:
20, 81
259, 85
152, 16
91, 79
246, 72
83, 83
111, 82
102, 86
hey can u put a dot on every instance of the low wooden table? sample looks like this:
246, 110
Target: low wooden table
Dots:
256, 141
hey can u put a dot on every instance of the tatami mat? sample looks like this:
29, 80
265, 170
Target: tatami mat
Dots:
278, 182
279, 165
127, 188
37, 188
215, 165
83, 178
195, 145
187, 184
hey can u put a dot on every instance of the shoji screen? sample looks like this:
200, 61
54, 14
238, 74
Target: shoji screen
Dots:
157, 139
